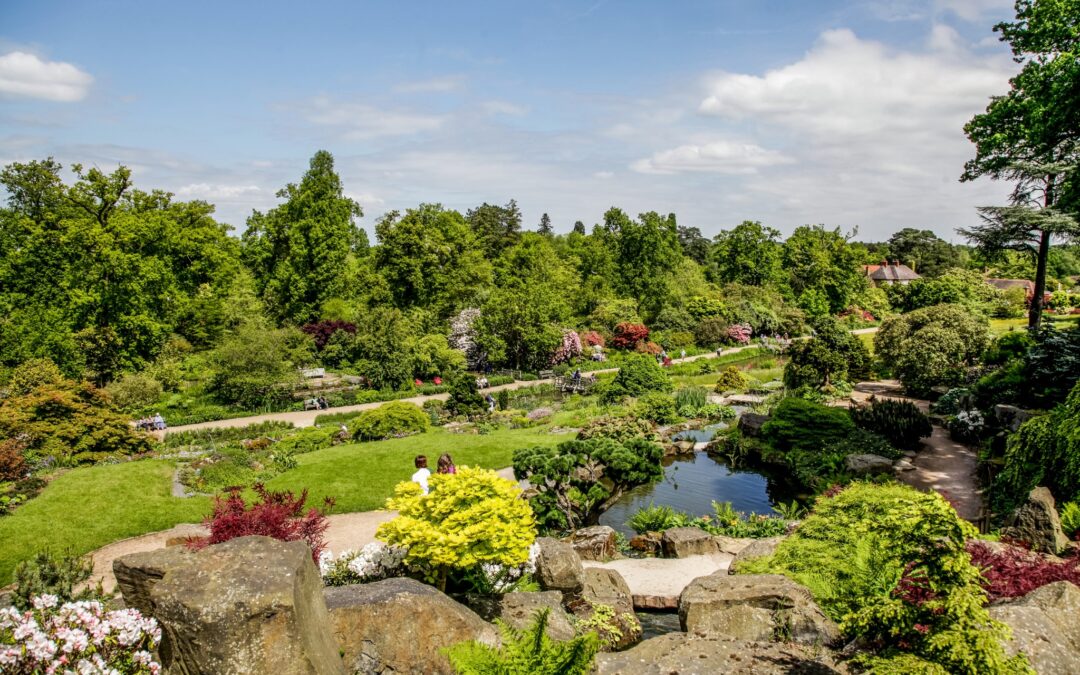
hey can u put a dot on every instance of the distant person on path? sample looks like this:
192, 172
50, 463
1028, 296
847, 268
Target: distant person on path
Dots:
159, 422
446, 465
422, 472
682, 354
323, 403
491, 402
577, 376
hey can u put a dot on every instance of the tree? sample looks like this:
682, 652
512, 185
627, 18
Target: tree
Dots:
647, 250
579, 227
747, 254
817, 258
496, 227
545, 226
1030, 136
832, 355
256, 367
694, 245
923, 251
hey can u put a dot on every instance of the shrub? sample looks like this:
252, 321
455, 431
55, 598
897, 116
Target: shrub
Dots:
931, 346
716, 412
638, 375
802, 425
305, 440
569, 348
691, 398
465, 398
898, 421
592, 338
322, 331
257, 368
391, 420
659, 408
468, 519
1010, 346
578, 480
728, 522
80, 637
374, 562
12, 463
56, 575
32, 374
619, 429
653, 518
279, 515
527, 652
889, 563
953, 401
1070, 518
1052, 367
731, 379
711, 332
832, 355
208, 437
134, 391
629, 335
739, 333
1012, 572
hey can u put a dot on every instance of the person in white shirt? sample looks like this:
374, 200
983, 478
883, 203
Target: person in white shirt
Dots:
422, 472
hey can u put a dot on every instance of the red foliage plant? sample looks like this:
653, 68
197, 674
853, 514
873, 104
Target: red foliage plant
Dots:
12, 462
321, 331
1012, 571
279, 515
592, 338
629, 335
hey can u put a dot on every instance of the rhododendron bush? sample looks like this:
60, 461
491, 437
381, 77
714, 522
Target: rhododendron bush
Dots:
592, 338
629, 335
569, 348
739, 333
76, 637
463, 336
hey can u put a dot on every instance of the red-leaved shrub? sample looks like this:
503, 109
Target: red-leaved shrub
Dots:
321, 331
592, 338
12, 462
1012, 571
629, 335
279, 515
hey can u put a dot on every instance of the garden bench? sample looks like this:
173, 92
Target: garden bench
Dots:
546, 374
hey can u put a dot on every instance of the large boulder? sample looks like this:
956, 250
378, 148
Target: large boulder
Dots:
680, 542
1045, 627
1037, 523
758, 548
400, 626
249, 605
595, 543
603, 586
750, 423
1011, 417
868, 464
558, 567
518, 610
754, 607
695, 655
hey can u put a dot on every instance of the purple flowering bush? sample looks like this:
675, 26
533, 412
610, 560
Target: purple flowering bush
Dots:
569, 348
76, 637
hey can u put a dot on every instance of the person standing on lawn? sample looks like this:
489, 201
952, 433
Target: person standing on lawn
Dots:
422, 472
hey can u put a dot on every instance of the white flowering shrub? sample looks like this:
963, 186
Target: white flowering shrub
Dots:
463, 336
967, 425
76, 637
492, 578
373, 562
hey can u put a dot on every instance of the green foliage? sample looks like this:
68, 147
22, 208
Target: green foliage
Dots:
619, 429
716, 412
731, 379
955, 286
931, 346
527, 652
305, 440
390, 420
823, 261
257, 367
746, 254
1070, 518
658, 408
888, 562
639, 374
32, 374
832, 355
134, 391
653, 518
724, 521
469, 518
1008, 347
802, 425
577, 480
898, 421
924, 252
692, 399
465, 398
53, 574
208, 437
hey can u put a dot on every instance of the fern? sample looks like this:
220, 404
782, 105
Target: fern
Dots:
526, 652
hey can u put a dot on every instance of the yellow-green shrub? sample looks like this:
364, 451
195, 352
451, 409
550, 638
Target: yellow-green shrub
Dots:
391, 420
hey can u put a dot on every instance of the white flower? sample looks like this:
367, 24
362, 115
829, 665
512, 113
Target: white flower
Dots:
45, 601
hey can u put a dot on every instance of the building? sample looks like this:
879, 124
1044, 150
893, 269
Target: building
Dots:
1007, 284
890, 273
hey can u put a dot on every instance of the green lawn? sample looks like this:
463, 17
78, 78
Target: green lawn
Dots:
1000, 326
87, 508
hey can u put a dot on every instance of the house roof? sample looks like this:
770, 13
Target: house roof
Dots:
1006, 284
891, 272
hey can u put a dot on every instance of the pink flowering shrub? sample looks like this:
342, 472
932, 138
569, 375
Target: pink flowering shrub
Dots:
569, 348
592, 338
739, 333
76, 637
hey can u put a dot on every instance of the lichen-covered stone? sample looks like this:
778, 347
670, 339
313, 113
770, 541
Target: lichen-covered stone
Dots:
680, 542
695, 655
603, 586
519, 610
867, 464
595, 543
558, 567
1045, 626
757, 548
1037, 523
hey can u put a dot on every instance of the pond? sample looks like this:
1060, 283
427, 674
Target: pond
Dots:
691, 482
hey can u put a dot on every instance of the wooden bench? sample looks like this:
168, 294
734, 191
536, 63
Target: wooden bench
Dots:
546, 374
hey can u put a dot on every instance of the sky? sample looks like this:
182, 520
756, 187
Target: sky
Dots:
788, 112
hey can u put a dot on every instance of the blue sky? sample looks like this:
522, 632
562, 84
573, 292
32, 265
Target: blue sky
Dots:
787, 112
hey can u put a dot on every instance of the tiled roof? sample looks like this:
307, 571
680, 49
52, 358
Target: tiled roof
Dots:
891, 273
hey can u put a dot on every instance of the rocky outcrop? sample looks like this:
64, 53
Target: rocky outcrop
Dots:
558, 567
1037, 523
518, 610
603, 586
400, 626
758, 548
731, 545
1044, 626
648, 543
250, 605
754, 607
750, 423
1011, 417
595, 543
695, 655
868, 464
680, 542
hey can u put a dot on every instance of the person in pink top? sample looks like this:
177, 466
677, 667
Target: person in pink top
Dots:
446, 465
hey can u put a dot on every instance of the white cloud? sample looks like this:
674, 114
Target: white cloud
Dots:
25, 75
361, 121
436, 84
604, 175
366, 199
731, 157
503, 108
973, 10
212, 191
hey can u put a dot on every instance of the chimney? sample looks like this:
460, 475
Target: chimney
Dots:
884, 263
896, 263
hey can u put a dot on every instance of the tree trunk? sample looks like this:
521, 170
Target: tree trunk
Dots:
1036, 308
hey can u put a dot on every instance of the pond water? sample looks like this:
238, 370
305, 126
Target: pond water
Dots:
702, 435
691, 482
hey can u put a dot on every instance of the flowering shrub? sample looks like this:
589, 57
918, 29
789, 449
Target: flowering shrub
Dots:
569, 348
321, 331
739, 333
967, 425
279, 515
592, 338
650, 348
537, 414
373, 562
1014, 571
76, 637
629, 335
463, 336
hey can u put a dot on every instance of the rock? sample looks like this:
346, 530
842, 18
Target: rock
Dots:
680, 542
399, 625
518, 610
750, 423
648, 543
731, 545
682, 654
754, 607
757, 548
868, 464
1044, 627
249, 605
903, 464
1037, 523
684, 447
595, 543
910, 454
604, 586
558, 567
1011, 417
